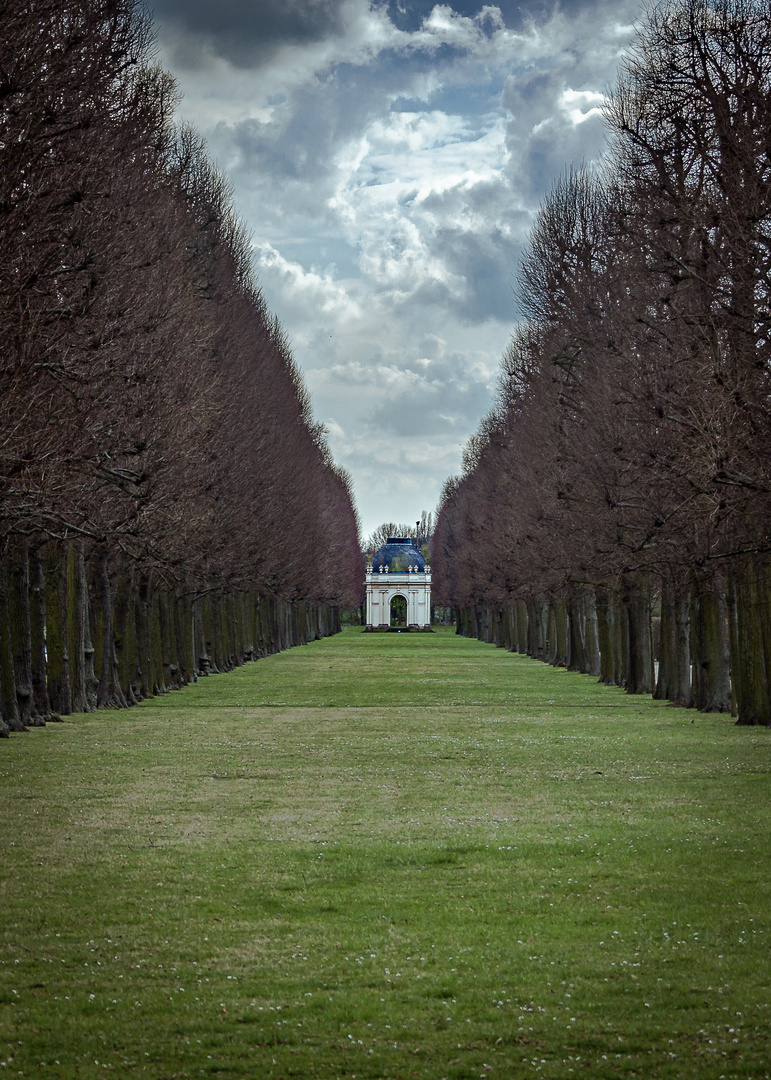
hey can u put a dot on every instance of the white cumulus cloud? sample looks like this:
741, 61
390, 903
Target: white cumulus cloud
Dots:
388, 160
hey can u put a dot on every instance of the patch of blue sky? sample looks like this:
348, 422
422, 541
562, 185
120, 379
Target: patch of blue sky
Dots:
467, 100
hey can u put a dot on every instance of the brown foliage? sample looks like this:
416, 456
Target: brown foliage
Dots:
633, 429
152, 410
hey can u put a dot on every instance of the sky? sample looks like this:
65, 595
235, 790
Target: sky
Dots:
387, 160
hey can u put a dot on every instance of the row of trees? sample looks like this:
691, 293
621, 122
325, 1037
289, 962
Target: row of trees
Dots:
626, 466
167, 505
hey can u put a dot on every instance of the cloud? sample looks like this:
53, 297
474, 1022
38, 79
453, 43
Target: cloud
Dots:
388, 160
246, 34
312, 290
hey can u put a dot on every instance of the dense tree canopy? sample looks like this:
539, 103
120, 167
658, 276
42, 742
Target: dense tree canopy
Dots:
627, 460
161, 477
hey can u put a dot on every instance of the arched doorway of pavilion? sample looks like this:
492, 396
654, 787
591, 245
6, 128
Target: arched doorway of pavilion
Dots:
398, 611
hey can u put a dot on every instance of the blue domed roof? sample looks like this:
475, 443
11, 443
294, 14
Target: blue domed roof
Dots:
399, 554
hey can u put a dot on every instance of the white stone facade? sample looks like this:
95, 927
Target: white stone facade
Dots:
413, 585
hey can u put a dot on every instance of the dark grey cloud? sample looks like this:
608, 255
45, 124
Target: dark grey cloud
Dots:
248, 32
487, 263
244, 32
480, 243
299, 142
530, 96
389, 162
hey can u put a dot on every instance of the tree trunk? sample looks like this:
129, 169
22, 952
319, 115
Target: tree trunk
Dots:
155, 640
57, 646
170, 667
591, 633
183, 645
637, 599
80, 648
753, 641
733, 640
109, 691
142, 619
549, 622
608, 637
576, 622
38, 622
560, 631
538, 617
709, 646
201, 655
10, 719
584, 645
521, 626
483, 623
21, 633
674, 679
125, 635
209, 618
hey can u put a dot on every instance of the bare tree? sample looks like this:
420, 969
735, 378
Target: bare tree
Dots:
167, 503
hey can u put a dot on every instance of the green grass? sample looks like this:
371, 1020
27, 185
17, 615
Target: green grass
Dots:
387, 856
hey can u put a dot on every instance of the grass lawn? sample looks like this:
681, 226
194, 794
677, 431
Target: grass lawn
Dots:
387, 856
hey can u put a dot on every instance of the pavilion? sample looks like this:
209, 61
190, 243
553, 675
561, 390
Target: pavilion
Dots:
398, 588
